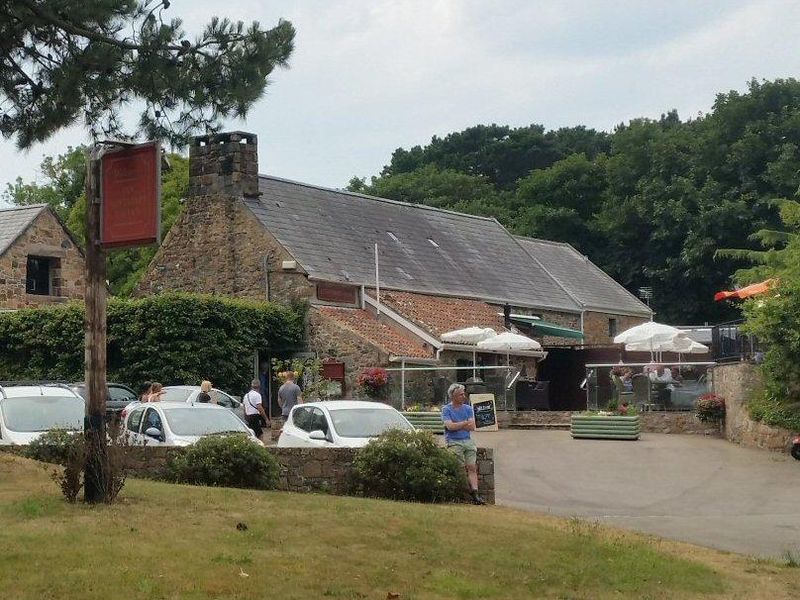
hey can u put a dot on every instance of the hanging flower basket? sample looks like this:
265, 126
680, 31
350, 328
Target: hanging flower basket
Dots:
373, 382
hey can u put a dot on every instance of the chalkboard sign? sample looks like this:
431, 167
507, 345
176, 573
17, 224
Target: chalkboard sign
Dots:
485, 414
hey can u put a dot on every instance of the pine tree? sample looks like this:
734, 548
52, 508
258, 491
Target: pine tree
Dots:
66, 61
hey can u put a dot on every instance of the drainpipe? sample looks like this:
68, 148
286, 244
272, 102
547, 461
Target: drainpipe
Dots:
266, 277
402, 385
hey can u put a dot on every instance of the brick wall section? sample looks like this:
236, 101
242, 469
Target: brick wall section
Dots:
595, 326
302, 469
218, 246
44, 237
735, 382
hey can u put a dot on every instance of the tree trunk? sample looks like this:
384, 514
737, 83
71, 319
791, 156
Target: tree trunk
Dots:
96, 472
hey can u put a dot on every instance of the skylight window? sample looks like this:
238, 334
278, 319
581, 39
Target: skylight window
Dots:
393, 236
434, 244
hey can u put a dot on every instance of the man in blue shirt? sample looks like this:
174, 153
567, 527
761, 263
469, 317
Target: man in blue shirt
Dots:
459, 420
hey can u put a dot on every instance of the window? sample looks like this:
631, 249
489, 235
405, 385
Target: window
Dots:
318, 421
38, 276
301, 417
393, 236
612, 328
152, 419
221, 398
120, 394
135, 419
433, 243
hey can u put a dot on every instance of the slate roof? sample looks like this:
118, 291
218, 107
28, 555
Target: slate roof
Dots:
586, 282
332, 234
367, 326
438, 315
14, 221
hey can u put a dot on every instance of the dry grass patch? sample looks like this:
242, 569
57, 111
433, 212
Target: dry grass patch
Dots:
169, 541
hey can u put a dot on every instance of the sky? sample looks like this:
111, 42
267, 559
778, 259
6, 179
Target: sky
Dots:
367, 77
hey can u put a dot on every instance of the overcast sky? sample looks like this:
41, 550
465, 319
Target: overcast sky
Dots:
369, 76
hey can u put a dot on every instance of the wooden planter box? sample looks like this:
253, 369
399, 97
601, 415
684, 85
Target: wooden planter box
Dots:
429, 421
612, 427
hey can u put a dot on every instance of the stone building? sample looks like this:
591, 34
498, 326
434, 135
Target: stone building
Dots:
40, 262
254, 236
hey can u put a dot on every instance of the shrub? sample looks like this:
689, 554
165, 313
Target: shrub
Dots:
408, 465
710, 408
227, 461
64, 448
174, 338
373, 381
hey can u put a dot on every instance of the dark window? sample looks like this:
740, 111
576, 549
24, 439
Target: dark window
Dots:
462, 374
152, 419
342, 294
318, 421
612, 328
135, 419
301, 417
38, 276
221, 398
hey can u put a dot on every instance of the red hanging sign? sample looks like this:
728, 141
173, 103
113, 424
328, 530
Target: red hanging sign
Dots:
130, 188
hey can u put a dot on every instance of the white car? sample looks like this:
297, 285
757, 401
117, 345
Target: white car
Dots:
189, 393
178, 423
27, 411
339, 424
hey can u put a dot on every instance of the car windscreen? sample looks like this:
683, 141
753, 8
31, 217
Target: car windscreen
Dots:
199, 421
120, 394
28, 414
366, 422
176, 394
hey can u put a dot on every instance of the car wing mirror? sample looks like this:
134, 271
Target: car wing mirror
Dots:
319, 435
153, 432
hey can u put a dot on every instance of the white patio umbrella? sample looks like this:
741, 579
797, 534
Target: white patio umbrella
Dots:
470, 336
648, 333
509, 342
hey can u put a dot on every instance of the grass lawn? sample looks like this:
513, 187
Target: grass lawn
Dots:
168, 541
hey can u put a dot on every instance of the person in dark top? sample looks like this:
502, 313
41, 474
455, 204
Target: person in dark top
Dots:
204, 395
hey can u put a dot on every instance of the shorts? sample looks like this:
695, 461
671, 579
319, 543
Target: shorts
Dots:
465, 450
256, 423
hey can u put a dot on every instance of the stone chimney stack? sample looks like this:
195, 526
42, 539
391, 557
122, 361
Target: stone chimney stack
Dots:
224, 164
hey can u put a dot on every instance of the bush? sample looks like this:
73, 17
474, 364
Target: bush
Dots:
710, 408
227, 461
173, 338
408, 465
56, 446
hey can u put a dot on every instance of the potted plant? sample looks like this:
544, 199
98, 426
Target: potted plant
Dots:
373, 382
710, 408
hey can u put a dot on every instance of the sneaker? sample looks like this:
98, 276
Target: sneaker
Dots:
476, 499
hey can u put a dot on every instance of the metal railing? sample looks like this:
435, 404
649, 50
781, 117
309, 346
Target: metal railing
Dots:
729, 343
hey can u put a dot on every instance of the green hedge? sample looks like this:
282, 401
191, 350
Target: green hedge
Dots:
171, 338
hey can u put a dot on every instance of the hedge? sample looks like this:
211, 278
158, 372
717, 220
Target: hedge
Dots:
171, 338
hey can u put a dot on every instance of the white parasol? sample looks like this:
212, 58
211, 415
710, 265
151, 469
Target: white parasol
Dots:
650, 333
509, 342
469, 335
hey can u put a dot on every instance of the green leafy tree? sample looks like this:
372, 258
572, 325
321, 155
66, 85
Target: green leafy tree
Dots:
65, 62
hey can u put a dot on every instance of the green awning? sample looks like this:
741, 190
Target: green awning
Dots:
545, 328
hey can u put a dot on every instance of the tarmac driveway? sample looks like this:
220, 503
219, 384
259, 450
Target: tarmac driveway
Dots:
690, 488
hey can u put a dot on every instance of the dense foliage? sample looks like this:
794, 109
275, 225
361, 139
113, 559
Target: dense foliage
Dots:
650, 203
227, 461
57, 446
171, 338
408, 465
65, 62
710, 408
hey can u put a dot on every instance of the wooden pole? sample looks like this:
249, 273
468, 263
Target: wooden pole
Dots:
96, 472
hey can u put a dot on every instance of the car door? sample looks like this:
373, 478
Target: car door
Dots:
133, 425
152, 418
228, 402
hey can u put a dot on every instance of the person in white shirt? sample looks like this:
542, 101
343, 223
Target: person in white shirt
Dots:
254, 409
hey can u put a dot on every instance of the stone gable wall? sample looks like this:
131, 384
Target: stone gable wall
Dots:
595, 326
217, 246
44, 237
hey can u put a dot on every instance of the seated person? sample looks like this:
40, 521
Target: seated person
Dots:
627, 380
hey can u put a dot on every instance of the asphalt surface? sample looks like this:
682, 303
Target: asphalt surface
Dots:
690, 488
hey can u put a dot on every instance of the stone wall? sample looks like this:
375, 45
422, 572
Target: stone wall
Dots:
328, 339
650, 422
735, 382
595, 326
302, 469
45, 237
